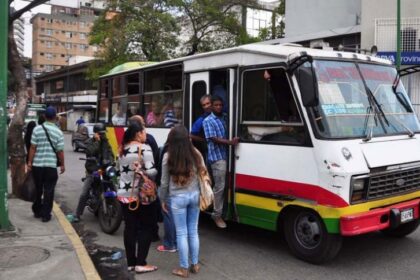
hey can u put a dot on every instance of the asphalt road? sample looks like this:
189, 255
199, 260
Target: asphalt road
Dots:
243, 252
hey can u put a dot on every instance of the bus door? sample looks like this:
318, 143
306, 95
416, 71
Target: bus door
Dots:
222, 84
198, 86
274, 150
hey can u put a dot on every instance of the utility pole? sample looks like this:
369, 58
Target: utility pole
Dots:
398, 62
4, 29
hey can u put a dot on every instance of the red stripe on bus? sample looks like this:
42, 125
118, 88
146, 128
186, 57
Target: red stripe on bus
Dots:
299, 190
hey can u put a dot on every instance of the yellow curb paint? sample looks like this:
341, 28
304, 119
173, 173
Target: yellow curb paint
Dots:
85, 262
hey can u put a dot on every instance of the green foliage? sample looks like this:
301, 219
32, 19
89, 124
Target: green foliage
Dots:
141, 30
211, 24
276, 28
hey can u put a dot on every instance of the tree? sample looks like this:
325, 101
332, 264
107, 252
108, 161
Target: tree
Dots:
212, 24
15, 141
140, 30
276, 28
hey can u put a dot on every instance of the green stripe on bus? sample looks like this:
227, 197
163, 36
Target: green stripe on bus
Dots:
332, 225
268, 219
257, 217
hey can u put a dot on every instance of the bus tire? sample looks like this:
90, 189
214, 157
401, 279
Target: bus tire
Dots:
308, 238
402, 230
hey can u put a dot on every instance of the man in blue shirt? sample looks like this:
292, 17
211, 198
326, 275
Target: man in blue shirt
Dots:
215, 130
80, 121
197, 129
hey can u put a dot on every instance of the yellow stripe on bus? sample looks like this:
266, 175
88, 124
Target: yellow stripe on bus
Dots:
271, 204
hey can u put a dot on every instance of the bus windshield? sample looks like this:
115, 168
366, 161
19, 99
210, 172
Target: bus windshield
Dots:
358, 100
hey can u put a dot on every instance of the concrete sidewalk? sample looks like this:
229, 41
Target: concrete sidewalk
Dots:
37, 250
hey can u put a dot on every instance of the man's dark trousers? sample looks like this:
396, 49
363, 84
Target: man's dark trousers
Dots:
45, 180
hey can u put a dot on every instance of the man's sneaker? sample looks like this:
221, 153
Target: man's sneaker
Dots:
219, 222
162, 248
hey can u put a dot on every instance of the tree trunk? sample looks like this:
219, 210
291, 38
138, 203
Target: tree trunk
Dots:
15, 141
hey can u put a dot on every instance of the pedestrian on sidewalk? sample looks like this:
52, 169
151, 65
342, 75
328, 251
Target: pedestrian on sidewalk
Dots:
47, 145
140, 221
180, 181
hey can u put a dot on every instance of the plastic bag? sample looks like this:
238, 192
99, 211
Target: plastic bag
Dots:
28, 191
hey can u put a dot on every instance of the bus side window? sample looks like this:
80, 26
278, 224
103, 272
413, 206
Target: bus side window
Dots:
269, 112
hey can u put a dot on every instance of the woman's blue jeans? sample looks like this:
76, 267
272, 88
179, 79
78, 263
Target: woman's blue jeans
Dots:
169, 237
185, 211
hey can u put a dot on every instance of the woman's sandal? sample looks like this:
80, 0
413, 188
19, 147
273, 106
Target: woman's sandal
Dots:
195, 268
181, 272
145, 268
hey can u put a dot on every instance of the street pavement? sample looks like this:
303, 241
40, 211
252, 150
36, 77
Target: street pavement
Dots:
243, 252
238, 252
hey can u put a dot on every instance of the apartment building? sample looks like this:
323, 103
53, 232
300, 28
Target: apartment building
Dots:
61, 35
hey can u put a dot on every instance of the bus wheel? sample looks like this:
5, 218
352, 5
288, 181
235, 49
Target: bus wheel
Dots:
308, 239
402, 230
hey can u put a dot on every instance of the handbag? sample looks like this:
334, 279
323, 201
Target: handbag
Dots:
28, 191
147, 188
206, 192
52, 146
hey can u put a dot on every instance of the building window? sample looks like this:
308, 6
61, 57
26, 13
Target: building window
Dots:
68, 34
409, 38
49, 67
49, 44
82, 36
49, 32
68, 46
49, 20
82, 24
49, 56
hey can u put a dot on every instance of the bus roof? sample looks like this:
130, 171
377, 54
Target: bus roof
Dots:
260, 54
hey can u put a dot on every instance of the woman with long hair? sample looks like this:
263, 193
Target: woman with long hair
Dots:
140, 218
181, 167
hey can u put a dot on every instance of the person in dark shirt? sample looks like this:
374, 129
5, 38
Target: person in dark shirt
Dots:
197, 130
97, 147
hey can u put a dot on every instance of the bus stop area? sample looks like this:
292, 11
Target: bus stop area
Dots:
36, 250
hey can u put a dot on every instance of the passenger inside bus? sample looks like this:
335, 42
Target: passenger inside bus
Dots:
155, 115
173, 116
119, 117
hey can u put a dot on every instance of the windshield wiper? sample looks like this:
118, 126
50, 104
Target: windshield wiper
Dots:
375, 107
368, 134
400, 97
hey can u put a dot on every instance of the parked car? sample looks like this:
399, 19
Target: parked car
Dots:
80, 137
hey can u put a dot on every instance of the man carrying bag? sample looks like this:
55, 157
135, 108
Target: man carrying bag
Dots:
47, 145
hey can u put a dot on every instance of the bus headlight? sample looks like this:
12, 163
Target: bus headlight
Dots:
358, 186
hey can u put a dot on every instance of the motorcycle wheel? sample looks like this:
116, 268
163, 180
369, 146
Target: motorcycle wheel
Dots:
110, 222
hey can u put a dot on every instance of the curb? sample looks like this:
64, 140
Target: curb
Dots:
85, 261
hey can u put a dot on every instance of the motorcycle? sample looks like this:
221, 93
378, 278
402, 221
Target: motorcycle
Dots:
102, 199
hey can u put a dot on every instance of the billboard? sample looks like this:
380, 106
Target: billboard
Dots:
407, 58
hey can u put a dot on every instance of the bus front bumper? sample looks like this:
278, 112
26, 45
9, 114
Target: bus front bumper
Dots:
380, 218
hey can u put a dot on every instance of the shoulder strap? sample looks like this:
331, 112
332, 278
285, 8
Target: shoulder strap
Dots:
48, 137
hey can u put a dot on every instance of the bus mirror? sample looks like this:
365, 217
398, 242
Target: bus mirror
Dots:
308, 87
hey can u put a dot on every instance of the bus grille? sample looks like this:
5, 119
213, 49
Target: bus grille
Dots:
393, 183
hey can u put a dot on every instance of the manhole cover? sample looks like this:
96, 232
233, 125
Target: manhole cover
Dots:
21, 256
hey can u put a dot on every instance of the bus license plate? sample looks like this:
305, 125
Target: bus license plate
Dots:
407, 215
